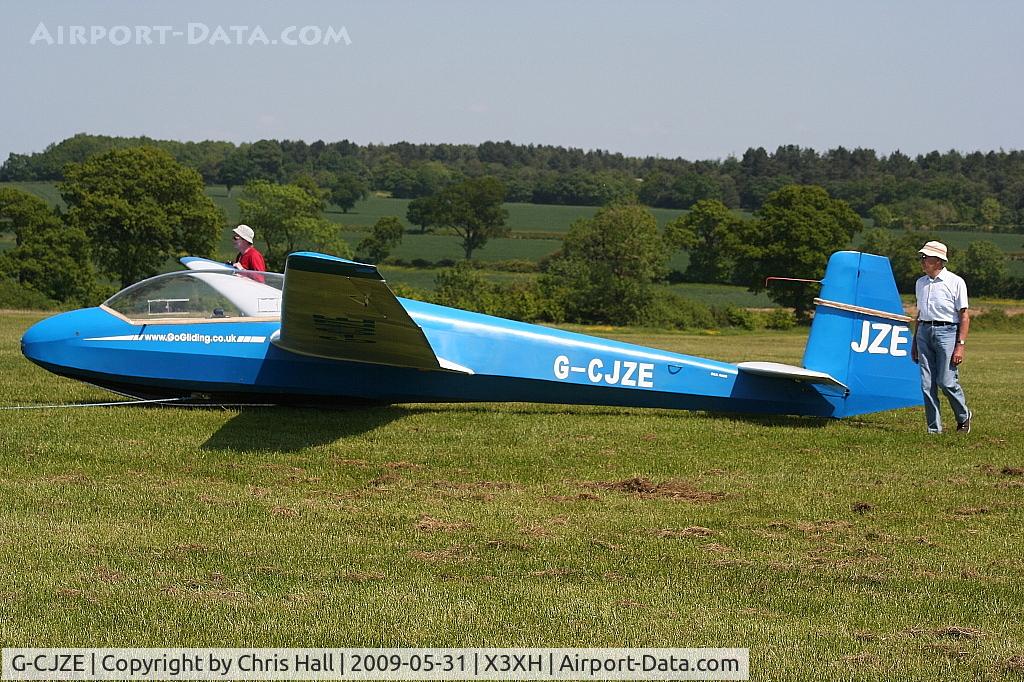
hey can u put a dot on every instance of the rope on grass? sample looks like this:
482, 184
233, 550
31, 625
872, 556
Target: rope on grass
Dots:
90, 405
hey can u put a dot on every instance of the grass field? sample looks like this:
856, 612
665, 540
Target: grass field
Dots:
859, 549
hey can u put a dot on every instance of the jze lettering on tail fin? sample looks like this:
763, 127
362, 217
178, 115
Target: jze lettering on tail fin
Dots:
897, 336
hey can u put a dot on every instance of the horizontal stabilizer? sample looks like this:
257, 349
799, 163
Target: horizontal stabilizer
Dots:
342, 310
777, 369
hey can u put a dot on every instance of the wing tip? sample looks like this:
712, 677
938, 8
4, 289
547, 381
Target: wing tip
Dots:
312, 261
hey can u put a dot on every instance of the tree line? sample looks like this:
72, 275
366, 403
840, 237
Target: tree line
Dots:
948, 190
131, 210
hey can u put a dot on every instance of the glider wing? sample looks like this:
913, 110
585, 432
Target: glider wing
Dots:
342, 310
197, 263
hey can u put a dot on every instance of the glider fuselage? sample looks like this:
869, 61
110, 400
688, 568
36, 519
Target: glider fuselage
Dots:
490, 360
330, 331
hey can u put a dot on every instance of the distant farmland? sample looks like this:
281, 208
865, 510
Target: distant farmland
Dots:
536, 230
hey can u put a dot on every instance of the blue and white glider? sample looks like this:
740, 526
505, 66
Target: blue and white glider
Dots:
330, 331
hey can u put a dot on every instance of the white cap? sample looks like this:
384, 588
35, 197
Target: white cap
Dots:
937, 249
246, 233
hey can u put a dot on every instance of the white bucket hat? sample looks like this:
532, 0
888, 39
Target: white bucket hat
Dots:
937, 249
246, 233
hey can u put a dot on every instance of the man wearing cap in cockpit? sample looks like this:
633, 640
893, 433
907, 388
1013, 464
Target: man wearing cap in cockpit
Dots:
940, 335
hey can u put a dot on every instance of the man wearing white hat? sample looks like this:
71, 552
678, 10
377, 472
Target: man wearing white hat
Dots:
940, 335
248, 257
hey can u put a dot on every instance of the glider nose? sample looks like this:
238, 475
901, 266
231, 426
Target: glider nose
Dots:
40, 337
48, 341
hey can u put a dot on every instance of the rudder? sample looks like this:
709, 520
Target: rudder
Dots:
861, 336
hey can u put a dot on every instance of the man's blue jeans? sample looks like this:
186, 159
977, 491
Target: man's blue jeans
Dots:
934, 352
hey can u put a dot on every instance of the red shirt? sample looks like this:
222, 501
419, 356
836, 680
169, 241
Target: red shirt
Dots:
252, 260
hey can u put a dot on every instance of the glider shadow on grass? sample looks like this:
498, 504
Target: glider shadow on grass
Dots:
292, 429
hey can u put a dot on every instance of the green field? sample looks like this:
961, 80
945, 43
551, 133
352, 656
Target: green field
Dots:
1010, 243
541, 220
47, 191
860, 549
709, 294
423, 278
433, 247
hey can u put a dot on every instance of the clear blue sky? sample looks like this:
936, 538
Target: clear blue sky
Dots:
700, 79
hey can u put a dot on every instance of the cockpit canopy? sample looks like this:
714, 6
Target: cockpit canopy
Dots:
201, 295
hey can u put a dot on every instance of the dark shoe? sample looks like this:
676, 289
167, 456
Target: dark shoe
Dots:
965, 426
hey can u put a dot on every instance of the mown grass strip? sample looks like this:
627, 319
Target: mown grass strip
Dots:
860, 549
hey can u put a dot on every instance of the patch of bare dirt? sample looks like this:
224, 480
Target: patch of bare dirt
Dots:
542, 529
862, 507
688, 532
676, 490
582, 497
631, 604
1014, 664
948, 650
957, 632
383, 481
970, 511
108, 575
508, 544
456, 554
428, 524
361, 577
286, 512
194, 588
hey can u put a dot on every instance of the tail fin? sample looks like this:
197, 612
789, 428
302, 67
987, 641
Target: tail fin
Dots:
861, 336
